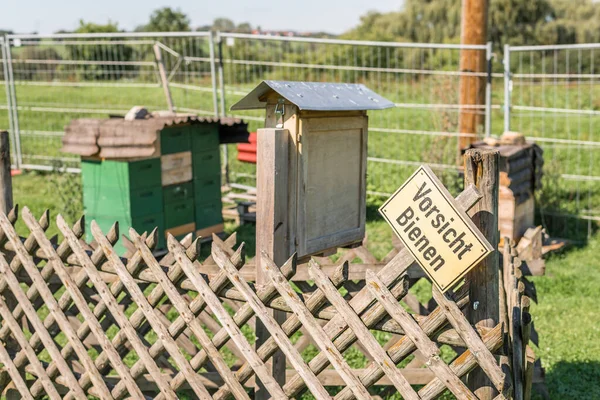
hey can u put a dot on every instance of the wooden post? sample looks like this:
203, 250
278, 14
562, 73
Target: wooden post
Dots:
481, 169
6, 198
472, 88
163, 77
271, 228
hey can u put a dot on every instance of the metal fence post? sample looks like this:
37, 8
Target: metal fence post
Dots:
489, 56
8, 98
13, 112
213, 77
223, 110
507, 87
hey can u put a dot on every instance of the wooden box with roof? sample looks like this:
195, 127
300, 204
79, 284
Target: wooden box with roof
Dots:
159, 171
326, 126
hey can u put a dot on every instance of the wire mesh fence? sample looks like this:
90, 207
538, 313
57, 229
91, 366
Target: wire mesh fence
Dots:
554, 93
57, 78
423, 80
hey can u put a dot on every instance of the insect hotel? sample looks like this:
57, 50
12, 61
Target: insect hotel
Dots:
157, 171
312, 162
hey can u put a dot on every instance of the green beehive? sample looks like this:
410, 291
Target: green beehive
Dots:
156, 172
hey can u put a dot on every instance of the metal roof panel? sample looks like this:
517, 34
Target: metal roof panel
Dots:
316, 96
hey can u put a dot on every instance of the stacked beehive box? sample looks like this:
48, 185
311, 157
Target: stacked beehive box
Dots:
520, 175
155, 172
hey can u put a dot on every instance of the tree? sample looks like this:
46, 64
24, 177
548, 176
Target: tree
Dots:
101, 52
223, 24
167, 20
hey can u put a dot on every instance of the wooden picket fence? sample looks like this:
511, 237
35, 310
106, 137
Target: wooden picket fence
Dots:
77, 320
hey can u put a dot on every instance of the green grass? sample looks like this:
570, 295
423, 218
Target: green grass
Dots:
566, 318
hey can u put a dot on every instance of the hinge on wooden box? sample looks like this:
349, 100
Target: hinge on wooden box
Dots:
279, 113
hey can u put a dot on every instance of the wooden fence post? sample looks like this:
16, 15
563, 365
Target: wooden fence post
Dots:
271, 228
481, 169
163, 77
6, 198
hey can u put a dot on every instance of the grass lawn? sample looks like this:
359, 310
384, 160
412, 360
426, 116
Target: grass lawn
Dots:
566, 318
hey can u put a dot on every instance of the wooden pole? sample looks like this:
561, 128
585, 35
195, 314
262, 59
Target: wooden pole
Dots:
472, 88
163, 77
481, 169
271, 228
6, 199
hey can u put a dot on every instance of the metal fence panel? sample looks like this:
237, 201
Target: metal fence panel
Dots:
554, 93
57, 78
423, 80
5, 108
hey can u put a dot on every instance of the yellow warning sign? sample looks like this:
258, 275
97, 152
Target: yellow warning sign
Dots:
441, 237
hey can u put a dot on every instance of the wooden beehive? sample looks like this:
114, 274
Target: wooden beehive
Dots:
326, 187
159, 172
520, 176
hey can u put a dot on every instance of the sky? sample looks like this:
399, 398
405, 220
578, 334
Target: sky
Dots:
333, 16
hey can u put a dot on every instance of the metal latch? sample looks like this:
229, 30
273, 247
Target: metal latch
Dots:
279, 113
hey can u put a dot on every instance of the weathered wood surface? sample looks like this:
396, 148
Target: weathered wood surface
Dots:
174, 298
6, 194
272, 224
481, 170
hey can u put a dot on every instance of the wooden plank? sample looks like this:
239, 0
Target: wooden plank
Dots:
175, 160
418, 337
32, 317
176, 175
112, 305
17, 379
481, 169
244, 314
6, 194
271, 227
272, 326
316, 331
390, 274
226, 320
209, 231
181, 229
363, 334
142, 302
178, 326
163, 76
188, 316
332, 161
81, 303
463, 364
291, 325
20, 338
458, 320
53, 306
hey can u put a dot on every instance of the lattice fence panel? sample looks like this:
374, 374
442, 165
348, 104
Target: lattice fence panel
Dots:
77, 320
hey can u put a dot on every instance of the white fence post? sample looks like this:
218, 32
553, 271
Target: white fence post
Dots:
507, 87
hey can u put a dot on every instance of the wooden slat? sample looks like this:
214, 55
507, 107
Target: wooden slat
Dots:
271, 324
316, 331
462, 365
113, 306
291, 325
53, 306
13, 325
363, 333
361, 302
226, 320
418, 337
138, 296
81, 302
33, 318
458, 320
182, 307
